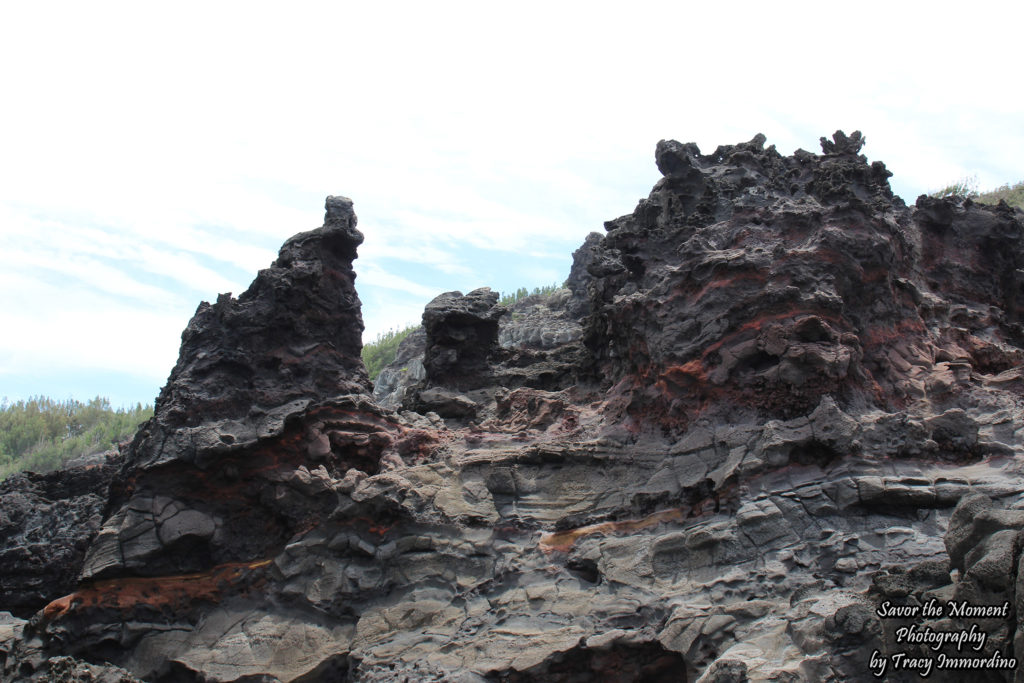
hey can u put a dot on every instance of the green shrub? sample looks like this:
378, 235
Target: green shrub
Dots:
966, 187
1011, 194
522, 293
382, 350
42, 434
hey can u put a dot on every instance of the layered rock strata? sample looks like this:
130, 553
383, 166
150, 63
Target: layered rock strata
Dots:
792, 416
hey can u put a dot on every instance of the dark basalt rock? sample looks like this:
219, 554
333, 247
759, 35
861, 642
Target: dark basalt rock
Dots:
984, 542
767, 282
47, 522
462, 333
578, 282
295, 334
767, 402
538, 338
269, 395
974, 254
618, 662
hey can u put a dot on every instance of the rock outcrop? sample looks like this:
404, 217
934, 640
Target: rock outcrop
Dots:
47, 522
462, 336
262, 386
771, 430
541, 321
392, 384
536, 323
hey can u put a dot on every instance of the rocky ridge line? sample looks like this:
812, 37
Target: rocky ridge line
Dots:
792, 399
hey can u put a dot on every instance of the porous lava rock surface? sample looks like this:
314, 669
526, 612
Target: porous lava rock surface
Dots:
770, 406
47, 522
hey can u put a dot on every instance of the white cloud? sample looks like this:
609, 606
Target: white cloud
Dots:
407, 245
86, 270
391, 312
189, 142
373, 275
102, 258
71, 328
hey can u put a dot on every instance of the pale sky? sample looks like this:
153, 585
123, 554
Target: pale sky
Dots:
153, 156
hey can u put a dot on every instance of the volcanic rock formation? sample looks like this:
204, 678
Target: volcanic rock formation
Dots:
47, 522
770, 430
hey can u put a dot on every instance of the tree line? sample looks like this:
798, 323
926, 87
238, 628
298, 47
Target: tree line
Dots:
523, 292
42, 434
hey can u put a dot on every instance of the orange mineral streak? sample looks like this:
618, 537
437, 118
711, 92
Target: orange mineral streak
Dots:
372, 526
685, 376
562, 541
158, 591
693, 373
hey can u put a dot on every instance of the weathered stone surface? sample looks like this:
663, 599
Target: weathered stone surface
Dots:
544, 321
265, 385
47, 522
462, 333
294, 334
392, 384
768, 402
578, 282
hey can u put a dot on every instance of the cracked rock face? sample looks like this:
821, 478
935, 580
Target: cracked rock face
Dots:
773, 415
462, 333
47, 522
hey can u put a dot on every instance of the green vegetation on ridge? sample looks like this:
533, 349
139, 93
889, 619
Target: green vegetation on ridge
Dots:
968, 187
382, 350
522, 293
1011, 194
42, 434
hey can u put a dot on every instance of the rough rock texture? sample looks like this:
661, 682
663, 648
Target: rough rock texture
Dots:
578, 282
269, 391
548, 321
792, 417
462, 335
47, 522
541, 321
294, 335
264, 416
389, 390
537, 323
